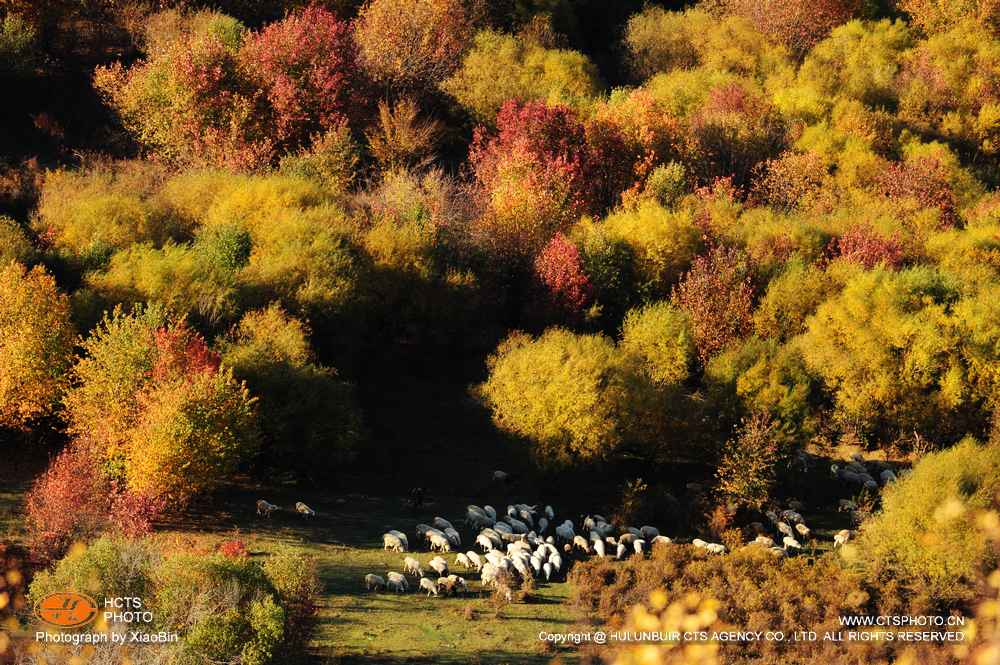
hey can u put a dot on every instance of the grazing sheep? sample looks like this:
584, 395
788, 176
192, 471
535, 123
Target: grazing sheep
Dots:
420, 531
439, 566
551, 514
392, 542
716, 548
517, 526
453, 537
564, 532
459, 583
488, 575
374, 582
402, 537
536, 564
265, 508
764, 540
556, 561
304, 510
841, 537
474, 560
640, 546
581, 542
397, 581
543, 524
599, 548
788, 541
412, 566
501, 527
463, 560
620, 552
429, 586
628, 538
491, 511
803, 530
442, 523
547, 570
791, 516
661, 540
698, 542
521, 567
649, 532
785, 529
439, 543
484, 542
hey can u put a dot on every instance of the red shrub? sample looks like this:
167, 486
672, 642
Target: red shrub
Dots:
182, 352
862, 245
798, 24
234, 549
307, 67
717, 295
559, 269
924, 179
788, 180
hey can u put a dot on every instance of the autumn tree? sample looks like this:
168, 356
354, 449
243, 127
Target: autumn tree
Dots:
36, 342
559, 270
747, 471
717, 294
798, 24
412, 44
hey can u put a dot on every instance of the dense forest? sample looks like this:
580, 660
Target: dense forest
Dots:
707, 263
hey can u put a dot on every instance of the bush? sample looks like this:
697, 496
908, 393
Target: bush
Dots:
18, 39
309, 416
412, 44
791, 297
152, 403
401, 138
14, 243
659, 338
797, 24
500, 67
332, 160
559, 271
36, 341
748, 467
925, 535
717, 296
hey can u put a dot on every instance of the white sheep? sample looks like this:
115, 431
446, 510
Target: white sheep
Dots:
547, 570
488, 575
841, 537
581, 542
640, 546
463, 560
474, 559
661, 540
764, 540
791, 516
265, 508
786, 530
484, 542
304, 510
429, 586
521, 567
397, 581
374, 582
402, 537
628, 538
412, 566
620, 552
438, 565
788, 541
599, 548
803, 530
501, 476
392, 542
439, 543
698, 542
536, 564
716, 548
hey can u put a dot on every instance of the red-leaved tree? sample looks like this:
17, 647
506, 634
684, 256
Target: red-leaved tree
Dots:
559, 270
717, 294
924, 179
798, 24
861, 244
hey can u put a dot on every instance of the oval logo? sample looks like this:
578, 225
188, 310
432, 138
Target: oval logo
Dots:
66, 610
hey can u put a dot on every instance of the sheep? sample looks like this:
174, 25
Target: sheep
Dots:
429, 586
581, 542
502, 527
440, 566
661, 540
488, 575
374, 582
397, 581
439, 543
791, 516
491, 512
788, 541
785, 529
521, 567
412, 566
304, 510
474, 560
402, 537
463, 561
772, 516
621, 551
635, 532
640, 546
649, 532
564, 532
420, 531
484, 542
442, 523
547, 570
599, 548
495, 557
803, 530
517, 526
500, 476
543, 524
556, 561
265, 508
698, 542
841, 537
716, 548
453, 537
536, 564
458, 583
627, 538
391, 542
551, 514
763, 540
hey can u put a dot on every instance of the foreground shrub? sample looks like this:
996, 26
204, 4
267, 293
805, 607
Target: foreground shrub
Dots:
926, 535
36, 340
747, 470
